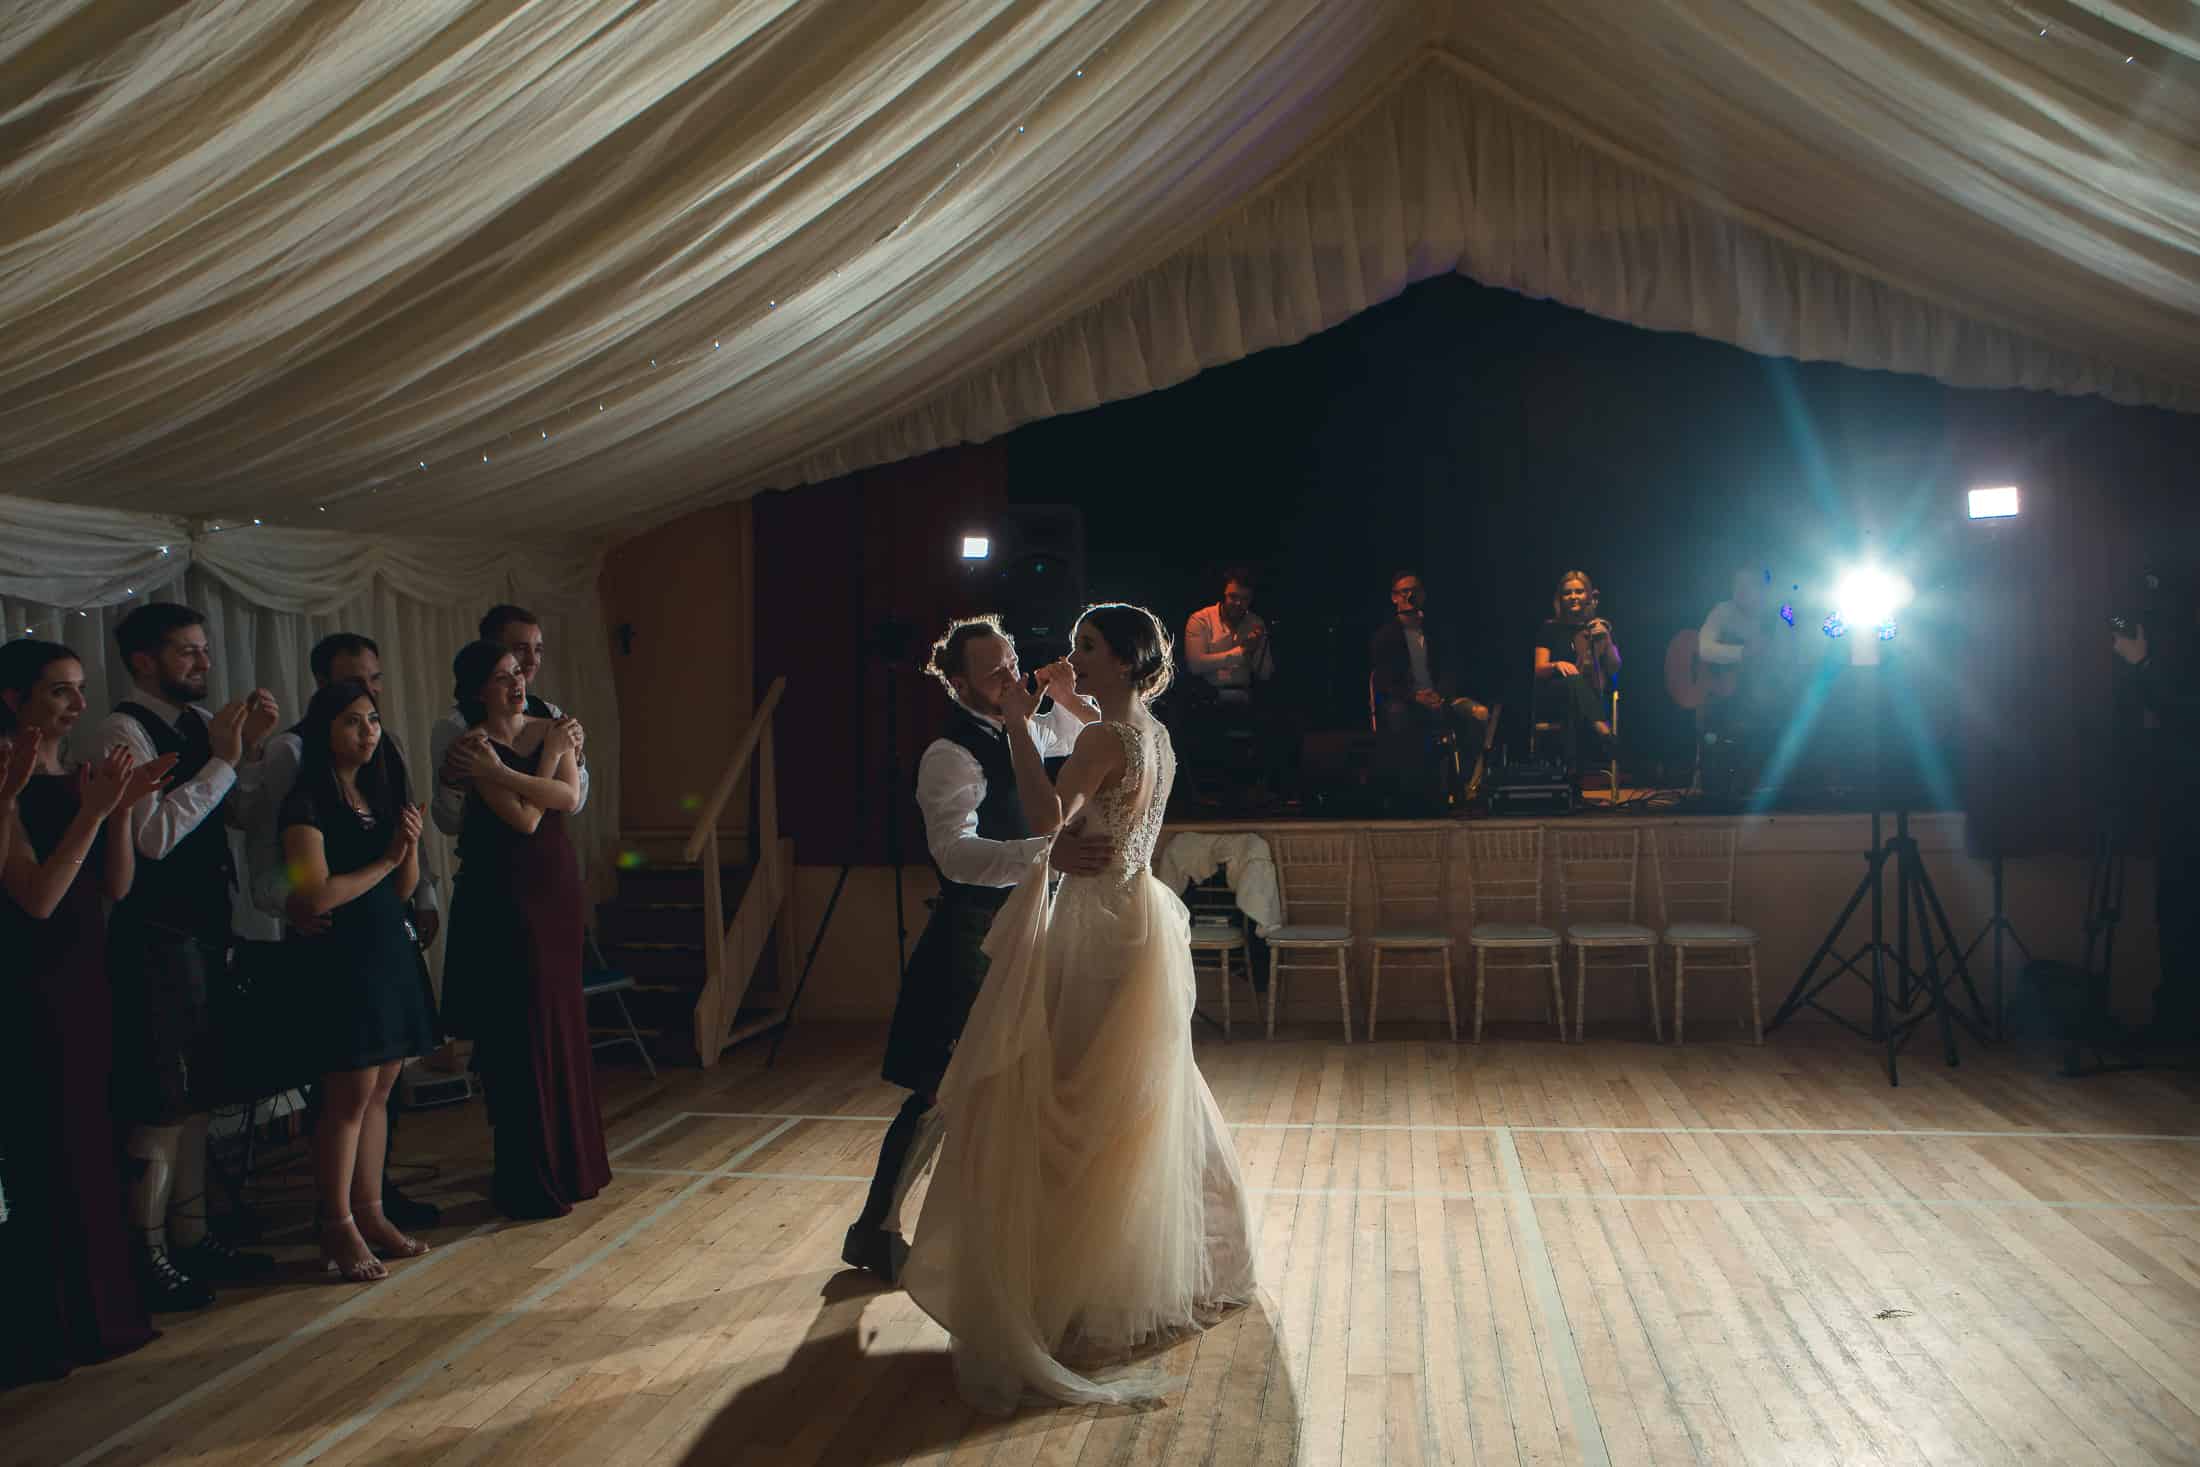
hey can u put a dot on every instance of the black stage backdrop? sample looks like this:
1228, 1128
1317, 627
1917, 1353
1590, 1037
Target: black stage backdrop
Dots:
1491, 442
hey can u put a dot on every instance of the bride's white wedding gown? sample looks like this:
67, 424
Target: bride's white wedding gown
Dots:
1088, 1199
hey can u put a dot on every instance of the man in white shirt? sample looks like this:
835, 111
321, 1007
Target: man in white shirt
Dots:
982, 847
516, 630
1226, 645
168, 939
339, 657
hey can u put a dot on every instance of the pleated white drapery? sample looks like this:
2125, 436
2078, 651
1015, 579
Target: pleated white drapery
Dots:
68, 575
578, 268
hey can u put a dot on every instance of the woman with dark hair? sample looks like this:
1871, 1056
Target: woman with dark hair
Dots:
67, 1288
513, 961
1088, 1199
1575, 662
351, 842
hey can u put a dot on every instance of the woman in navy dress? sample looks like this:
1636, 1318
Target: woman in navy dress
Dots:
351, 841
512, 966
67, 1288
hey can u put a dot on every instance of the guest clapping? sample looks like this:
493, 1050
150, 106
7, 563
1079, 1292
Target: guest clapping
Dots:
351, 837
67, 1287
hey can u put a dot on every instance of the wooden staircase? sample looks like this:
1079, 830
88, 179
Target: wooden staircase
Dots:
704, 982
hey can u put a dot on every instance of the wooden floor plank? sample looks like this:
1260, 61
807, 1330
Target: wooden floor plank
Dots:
1725, 1226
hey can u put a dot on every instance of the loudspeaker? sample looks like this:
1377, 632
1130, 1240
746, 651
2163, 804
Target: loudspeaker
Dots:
1035, 578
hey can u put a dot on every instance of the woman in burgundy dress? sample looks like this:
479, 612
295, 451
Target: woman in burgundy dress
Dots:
67, 1289
512, 966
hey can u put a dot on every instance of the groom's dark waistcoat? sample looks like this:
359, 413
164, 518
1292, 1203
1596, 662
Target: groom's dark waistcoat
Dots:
948, 966
1001, 812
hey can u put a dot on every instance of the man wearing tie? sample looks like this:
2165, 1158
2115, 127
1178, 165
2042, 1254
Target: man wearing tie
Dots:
168, 938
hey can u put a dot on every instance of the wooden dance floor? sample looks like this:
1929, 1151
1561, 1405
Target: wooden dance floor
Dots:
1517, 1252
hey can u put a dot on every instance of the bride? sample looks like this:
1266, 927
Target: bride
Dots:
1088, 1200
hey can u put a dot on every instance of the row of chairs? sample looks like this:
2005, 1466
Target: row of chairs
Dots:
1692, 874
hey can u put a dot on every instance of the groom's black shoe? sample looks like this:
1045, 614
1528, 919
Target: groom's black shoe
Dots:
875, 1251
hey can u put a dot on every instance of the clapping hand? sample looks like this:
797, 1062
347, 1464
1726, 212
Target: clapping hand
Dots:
101, 785
1017, 702
406, 837
147, 780
226, 733
21, 762
261, 714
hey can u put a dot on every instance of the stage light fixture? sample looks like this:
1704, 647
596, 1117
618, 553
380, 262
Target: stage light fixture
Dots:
1994, 502
1867, 596
976, 547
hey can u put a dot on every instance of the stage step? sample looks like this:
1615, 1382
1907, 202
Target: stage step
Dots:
653, 931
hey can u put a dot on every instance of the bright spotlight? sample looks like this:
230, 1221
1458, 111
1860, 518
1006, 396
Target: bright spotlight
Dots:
1998, 502
1869, 597
976, 547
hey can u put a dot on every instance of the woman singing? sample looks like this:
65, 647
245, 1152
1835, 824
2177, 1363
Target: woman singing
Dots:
1575, 662
513, 962
351, 840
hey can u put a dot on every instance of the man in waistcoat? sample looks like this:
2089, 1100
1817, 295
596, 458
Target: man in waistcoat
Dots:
168, 938
981, 846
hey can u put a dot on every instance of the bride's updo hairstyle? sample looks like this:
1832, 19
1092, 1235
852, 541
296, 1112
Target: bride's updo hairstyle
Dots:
1137, 638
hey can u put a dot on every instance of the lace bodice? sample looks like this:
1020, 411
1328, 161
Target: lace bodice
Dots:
1131, 808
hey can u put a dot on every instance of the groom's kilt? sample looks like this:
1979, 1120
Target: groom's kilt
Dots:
940, 985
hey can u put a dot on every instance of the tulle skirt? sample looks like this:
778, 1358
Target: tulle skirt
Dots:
1088, 1200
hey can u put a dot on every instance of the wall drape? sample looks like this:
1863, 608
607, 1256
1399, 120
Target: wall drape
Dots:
68, 575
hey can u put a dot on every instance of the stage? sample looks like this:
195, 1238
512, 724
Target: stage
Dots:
1517, 1252
1793, 874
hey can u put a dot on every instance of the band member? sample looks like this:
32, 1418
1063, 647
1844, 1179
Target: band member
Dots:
1237, 756
1412, 698
1751, 683
1226, 645
981, 846
1576, 661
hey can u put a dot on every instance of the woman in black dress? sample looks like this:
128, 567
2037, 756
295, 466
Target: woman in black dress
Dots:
351, 839
67, 1288
1575, 662
512, 965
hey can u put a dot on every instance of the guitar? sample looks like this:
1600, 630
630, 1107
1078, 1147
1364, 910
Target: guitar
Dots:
1689, 680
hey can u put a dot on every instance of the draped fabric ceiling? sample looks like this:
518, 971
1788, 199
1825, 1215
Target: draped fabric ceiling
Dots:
547, 273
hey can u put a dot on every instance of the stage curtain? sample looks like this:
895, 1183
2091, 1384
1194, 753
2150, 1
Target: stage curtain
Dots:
597, 264
69, 575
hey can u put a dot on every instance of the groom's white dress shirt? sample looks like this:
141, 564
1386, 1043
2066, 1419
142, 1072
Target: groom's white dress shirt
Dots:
951, 786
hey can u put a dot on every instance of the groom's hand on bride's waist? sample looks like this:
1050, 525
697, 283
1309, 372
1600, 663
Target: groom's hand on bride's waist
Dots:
1078, 854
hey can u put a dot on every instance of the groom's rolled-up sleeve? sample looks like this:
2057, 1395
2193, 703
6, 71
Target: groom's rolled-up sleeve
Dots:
950, 787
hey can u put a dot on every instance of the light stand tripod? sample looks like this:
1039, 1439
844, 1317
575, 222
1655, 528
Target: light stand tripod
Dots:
1923, 983
1911, 984
1998, 926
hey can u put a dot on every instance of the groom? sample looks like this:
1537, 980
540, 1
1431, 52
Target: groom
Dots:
981, 847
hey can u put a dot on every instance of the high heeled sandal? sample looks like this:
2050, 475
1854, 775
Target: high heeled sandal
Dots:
368, 1270
406, 1246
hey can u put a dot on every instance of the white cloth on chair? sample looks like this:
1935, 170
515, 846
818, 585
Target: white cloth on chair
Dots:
1246, 861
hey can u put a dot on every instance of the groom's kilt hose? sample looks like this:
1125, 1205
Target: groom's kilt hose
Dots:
942, 982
